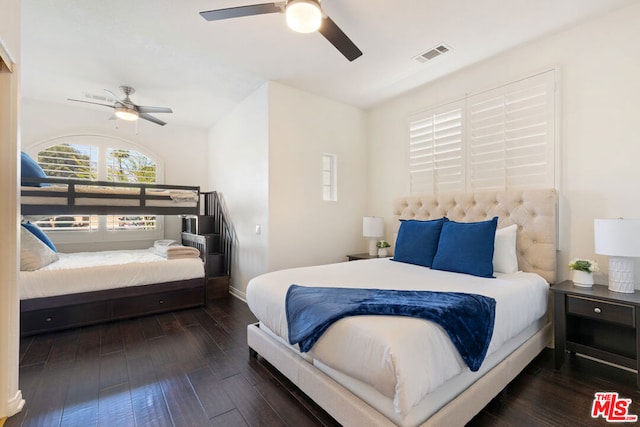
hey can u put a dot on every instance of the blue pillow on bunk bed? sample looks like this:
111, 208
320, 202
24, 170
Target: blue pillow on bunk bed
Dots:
467, 247
35, 230
417, 241
31, 169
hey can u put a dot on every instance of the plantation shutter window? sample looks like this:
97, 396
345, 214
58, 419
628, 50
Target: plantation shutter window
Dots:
512, 135
435, 151
503, 138
97, 158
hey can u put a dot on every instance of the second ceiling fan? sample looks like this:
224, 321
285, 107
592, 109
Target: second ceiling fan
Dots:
304, 16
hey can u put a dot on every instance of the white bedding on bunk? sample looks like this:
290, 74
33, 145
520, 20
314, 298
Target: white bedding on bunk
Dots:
93, 271
171, 197
402, 358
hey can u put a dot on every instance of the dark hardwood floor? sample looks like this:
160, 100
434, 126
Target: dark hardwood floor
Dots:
192, 368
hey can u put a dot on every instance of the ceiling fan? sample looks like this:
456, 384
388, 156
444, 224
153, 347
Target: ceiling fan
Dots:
303, 16
125, 109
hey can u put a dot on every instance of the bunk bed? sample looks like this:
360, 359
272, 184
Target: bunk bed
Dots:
85, 303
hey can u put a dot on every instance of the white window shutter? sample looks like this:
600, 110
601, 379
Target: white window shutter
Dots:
99, 162
69, 161
435, 151
511, 132
503, 138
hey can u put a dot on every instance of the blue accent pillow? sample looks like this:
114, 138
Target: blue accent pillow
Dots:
467, 247
31, 169
417, 241
35, 230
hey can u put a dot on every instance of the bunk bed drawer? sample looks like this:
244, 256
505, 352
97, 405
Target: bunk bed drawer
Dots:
51, 319
68, 311
157, 302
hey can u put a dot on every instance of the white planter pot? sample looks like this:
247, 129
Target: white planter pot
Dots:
382, 252
582, 278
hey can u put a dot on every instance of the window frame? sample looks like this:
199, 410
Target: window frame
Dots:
330, 188
102, 144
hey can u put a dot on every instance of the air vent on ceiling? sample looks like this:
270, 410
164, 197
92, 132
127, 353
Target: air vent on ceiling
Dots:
433, 53
105, 99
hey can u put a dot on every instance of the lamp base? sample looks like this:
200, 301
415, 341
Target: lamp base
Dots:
373, 250
621, 272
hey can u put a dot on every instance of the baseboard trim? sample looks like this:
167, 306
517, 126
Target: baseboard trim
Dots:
238, 294
15, 404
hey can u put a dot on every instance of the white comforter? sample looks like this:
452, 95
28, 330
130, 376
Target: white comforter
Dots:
403, 358
93, 271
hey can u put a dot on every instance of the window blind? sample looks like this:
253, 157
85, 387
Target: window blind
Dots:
89, 162
503, 138
435, 151
511, 136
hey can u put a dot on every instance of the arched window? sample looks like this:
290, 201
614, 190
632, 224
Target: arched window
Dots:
99, 158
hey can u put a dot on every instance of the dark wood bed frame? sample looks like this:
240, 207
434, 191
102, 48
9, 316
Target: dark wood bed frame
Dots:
96, 207
49, 314
41, 315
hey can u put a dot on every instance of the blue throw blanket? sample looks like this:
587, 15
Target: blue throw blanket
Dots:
467, 318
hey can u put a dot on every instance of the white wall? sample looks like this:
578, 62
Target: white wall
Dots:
238, 165
600, 178
182, 149
11, 400
265, 158
304, 229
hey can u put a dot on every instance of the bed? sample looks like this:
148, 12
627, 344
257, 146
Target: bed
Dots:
104, 286
391, 383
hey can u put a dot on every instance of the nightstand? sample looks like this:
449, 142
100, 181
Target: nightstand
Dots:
598, 323
354, 257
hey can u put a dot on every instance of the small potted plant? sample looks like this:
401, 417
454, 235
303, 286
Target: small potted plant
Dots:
583, 270
382, 246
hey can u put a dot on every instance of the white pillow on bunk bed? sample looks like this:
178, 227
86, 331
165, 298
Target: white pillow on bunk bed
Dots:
34, 254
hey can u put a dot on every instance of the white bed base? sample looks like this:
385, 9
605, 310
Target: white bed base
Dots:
350, 410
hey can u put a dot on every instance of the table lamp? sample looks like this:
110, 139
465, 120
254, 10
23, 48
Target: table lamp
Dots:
373, 228
620, 239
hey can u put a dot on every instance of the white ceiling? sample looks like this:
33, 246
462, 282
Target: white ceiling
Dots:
175, 58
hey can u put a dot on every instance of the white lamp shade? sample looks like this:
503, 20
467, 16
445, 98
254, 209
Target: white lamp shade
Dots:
372, 226
125, 113
617, 237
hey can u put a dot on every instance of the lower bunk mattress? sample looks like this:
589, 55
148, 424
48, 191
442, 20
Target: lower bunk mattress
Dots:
94, 271
406, 368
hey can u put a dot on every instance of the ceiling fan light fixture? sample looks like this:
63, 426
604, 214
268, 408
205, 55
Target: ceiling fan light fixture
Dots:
304, 16
125, 113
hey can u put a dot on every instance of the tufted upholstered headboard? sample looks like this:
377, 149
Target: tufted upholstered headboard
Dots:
533, 210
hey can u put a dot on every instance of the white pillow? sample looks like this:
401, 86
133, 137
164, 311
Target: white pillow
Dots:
505, 259
34, 254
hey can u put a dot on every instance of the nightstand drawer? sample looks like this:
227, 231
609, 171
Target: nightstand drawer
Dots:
596, 309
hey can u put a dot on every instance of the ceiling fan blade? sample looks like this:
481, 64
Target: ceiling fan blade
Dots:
143, 109
236, 12
90, 102
152, 119
113, 95
339, 39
